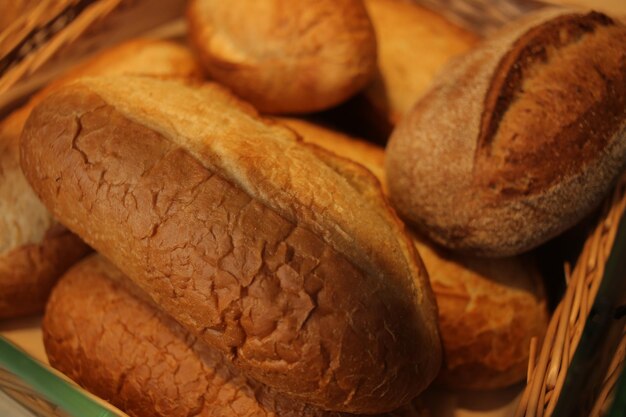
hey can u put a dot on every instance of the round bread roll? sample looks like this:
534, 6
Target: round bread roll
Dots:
104, 334
285, 259
489, 309
34, 249
518, 140
414, 43
285, 56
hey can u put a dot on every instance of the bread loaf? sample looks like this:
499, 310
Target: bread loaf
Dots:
519, 139
285, 56
369, 155
413, 45
104, 335
285, 260
489, 309
34, 249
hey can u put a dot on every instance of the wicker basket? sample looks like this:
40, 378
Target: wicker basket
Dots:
574, 316
548, 369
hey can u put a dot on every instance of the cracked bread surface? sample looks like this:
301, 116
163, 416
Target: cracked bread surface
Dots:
284, 56
517, 140
123, 349
34, 249
287, 261
489, 309
106, 335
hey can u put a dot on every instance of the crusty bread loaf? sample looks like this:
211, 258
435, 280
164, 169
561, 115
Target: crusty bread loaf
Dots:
489, 309
34, 249
367, 154
285, 259
519, 139
414, 43
104, 335
28, 272
285, 56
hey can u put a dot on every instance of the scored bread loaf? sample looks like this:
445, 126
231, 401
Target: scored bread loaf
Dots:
285, 56
286, 260
414, 43
34, 249
106, 336
519, 139
489, 309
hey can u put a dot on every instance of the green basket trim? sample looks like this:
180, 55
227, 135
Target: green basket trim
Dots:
50, 386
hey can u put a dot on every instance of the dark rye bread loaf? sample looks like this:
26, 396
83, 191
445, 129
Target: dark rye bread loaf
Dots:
287, 261
102, 332
519, 139
285, 56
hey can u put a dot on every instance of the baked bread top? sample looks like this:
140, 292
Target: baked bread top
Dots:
285, 56
284, 258
517, 140
24, 219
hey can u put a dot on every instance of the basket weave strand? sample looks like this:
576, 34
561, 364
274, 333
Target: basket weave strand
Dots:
74, 29
547, 373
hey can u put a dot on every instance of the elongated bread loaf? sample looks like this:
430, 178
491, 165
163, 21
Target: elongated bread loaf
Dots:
518, 140
104, 335
285, 259
369, 155
414, 43
489, 309
285, 56
34, 249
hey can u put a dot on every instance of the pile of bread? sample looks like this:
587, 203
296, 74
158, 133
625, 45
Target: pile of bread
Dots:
256, 266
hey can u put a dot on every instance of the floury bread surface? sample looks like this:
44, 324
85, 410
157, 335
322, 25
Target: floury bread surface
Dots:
285, 56
106, 336
519, 139
489, 309
34, 249
286, 260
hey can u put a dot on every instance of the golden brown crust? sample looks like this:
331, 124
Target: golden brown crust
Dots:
285, 56
519, 139
28, 233
414, 43
489, 309
359, 151
128, 352
197, 211
102, 333
28, 273
524, 103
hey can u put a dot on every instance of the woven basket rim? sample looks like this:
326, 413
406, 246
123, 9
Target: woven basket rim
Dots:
548, 367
